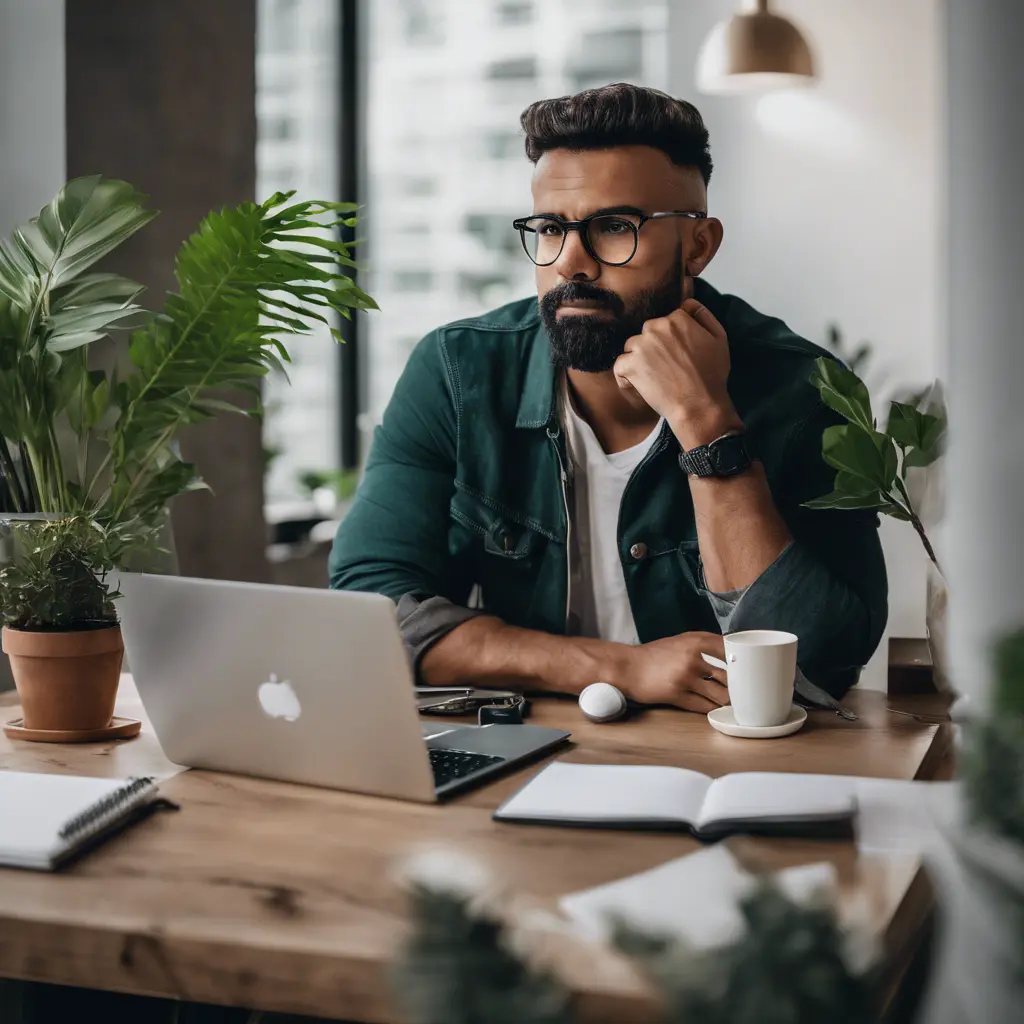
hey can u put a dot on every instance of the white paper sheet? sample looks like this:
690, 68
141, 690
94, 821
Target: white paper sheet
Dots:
695, 898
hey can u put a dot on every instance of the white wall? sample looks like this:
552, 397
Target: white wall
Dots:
831, 202
986, 218
31, 121
31, 107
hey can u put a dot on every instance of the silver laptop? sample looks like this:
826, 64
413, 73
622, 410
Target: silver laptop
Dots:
303, 685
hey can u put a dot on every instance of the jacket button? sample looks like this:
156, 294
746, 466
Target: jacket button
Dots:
638, 551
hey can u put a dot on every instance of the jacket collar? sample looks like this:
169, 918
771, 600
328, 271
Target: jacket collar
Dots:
537, 406
537, 402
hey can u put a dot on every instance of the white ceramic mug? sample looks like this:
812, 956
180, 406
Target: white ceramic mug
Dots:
761, 668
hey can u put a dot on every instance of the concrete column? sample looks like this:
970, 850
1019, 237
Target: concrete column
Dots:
986, 330
163, 95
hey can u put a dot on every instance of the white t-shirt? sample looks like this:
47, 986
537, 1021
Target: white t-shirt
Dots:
598, 597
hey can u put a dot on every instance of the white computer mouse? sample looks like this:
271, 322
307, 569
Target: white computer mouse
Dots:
602, 702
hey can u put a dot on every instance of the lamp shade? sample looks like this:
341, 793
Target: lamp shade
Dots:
756, 51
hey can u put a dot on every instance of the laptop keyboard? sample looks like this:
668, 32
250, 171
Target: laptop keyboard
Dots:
456, 764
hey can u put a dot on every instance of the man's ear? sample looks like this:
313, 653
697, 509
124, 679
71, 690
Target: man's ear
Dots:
707, 239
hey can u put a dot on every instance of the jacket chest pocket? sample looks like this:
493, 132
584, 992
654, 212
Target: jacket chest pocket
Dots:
504, 556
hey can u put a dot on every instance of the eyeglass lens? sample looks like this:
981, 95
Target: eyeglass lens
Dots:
612, 239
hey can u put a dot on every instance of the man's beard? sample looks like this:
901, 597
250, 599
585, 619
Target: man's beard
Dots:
591, 344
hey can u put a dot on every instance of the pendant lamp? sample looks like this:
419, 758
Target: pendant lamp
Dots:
753, 52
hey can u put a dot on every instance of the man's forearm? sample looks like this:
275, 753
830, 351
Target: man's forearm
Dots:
739, 530
486, 652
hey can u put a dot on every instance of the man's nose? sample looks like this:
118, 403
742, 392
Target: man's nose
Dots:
574, 263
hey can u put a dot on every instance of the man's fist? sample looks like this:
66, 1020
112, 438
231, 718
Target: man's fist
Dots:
679, 365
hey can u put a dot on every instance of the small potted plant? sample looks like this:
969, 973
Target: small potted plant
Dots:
95, 452
59, 625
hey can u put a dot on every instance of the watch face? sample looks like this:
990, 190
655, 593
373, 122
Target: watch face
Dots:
729, 456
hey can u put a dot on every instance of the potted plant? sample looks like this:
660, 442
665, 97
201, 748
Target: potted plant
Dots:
95, 450
875, 468
59, 625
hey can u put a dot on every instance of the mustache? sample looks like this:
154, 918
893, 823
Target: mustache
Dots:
582, 291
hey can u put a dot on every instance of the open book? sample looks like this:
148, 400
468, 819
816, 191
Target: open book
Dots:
48, 819
656, 797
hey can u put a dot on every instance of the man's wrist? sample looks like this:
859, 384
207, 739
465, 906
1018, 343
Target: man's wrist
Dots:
696, 427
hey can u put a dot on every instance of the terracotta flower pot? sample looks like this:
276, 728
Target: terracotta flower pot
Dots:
66, 680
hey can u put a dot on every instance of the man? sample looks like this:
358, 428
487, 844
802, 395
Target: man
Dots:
618, 470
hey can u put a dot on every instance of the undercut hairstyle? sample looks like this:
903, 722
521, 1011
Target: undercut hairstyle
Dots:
619, 115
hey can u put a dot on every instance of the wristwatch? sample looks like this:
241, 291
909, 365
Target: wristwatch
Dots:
725, 456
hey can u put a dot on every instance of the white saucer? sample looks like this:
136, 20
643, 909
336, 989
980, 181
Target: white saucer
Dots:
722, 719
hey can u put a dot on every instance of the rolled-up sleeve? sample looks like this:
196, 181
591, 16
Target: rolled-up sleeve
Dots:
829, 585
424, 622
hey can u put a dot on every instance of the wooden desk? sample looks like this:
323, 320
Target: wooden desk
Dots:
281, 897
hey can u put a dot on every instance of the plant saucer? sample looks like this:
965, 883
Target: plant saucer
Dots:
118, 729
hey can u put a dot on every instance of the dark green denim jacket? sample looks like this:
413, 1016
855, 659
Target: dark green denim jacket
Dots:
464, 486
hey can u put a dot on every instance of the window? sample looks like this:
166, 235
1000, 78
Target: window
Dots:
611, 56
278, 26
418, 186
493, 232
413, 281
278, 129
453, 121
502, 145
517, 69
514, 12
297, 64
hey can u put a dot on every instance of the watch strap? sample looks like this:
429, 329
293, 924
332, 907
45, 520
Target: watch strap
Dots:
699, 462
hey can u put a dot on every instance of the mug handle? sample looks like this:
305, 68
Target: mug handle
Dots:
714, 662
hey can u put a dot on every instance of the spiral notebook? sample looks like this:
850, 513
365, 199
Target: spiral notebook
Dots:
46, 820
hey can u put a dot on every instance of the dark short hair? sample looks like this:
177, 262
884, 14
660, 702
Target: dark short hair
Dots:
619, 115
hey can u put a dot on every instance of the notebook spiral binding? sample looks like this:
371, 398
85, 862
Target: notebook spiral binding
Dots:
91, 817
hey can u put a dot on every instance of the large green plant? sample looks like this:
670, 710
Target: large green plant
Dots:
872, 464
248, 278
99, 447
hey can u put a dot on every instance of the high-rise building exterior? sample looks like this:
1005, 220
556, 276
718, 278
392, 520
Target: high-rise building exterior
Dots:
297, 104
446, 173
448, 80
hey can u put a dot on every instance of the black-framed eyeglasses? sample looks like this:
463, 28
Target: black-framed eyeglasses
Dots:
611, 237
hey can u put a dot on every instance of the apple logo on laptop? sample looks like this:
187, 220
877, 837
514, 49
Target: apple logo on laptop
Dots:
278, 699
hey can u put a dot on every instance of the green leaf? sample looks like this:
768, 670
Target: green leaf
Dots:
246, 279
849, 484
87, 219
91, 288
97, 319
867, 456
68, 342
919, 457
903, 425
843, 391
921, 434
841, 499
215, 405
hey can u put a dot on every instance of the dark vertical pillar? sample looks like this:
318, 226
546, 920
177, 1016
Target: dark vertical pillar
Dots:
163, 95
350, 188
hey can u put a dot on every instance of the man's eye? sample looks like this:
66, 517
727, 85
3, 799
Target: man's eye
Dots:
613, 227
550, 228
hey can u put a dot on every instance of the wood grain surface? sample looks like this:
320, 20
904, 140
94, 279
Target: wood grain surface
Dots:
283, 897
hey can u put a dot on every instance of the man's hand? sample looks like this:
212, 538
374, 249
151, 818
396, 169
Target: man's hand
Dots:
679, 365
672, 671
